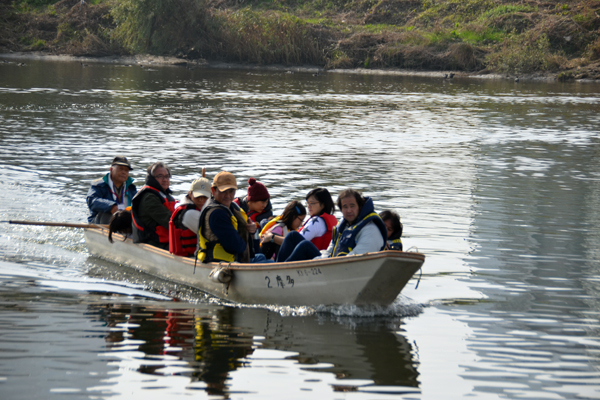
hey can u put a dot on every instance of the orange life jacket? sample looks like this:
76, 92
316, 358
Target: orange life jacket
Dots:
182, 242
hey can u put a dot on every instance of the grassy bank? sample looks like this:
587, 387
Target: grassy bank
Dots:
510, 37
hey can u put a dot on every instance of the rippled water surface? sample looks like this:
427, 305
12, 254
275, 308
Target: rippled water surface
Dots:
497, 183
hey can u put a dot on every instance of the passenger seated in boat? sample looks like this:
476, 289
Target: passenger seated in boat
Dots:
319, 227
360, 231
152, 207
256, 204
183, 226
257, 207
275, 230
120, 222
224, 232
111, 193
394, 229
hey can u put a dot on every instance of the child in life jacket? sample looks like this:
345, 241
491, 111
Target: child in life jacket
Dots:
183, 226
275, 230
256, 204
319, 227
257, 207
394, 229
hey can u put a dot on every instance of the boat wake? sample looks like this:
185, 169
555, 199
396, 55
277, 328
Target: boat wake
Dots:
401, 307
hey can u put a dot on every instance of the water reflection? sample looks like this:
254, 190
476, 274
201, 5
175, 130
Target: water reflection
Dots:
199, 343
207, 344
496, 182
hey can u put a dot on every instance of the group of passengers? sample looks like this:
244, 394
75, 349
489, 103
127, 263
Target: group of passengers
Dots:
213, 225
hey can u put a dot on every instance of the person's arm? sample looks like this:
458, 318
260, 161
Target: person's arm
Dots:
96, 201
368, 240
276, 233
315, 228
191, 220
155, 210
220, 224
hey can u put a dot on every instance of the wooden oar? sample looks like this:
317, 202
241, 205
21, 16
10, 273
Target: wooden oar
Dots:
61, 224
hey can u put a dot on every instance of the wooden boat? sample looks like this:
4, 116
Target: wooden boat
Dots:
372, 278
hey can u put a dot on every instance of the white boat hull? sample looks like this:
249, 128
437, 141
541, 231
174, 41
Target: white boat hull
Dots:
374, 278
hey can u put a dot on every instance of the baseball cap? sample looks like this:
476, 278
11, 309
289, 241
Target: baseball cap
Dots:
224, 180
120, 160
200, 187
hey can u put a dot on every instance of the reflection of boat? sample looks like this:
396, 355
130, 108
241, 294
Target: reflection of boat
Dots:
209, 343
362, 349
200, 343
374, 278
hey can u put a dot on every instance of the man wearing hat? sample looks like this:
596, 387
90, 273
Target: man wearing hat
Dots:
223, 231
183, 227
111, 193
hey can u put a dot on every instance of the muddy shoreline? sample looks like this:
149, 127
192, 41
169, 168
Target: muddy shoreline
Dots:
148, 60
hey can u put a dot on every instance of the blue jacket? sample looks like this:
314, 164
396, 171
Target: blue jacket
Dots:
100, 199
344, 236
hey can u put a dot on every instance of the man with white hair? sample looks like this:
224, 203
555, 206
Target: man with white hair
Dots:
111, 193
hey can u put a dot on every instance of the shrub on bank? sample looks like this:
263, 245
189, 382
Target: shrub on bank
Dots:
468, 35
160, 26
190, 27
264, 38
521, 54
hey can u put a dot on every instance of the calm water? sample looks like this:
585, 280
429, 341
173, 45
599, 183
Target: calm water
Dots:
497, 183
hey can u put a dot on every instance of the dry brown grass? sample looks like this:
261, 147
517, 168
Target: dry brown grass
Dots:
466, 35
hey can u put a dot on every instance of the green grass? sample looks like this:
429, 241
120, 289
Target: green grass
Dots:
500, 35
507, 9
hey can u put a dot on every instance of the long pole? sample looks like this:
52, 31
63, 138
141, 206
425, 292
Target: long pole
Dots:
61, 224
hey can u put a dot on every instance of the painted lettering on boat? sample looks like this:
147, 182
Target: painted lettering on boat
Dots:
307, 272
289, 281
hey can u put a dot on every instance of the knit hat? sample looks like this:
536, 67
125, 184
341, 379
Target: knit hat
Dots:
201, 187
257, 191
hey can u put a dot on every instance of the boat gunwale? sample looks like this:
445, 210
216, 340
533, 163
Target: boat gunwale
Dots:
314, 263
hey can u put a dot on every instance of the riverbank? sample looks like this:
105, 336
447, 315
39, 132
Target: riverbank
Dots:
475, 38
21, 58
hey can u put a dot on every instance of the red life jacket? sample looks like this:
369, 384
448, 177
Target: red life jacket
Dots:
322, 242
151, 233
182, 242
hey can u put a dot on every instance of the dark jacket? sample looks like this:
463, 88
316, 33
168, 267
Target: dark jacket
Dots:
100, 199
151, 210
220, 240
266, 214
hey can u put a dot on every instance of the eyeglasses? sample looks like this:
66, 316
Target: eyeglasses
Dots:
312, 203
161, 177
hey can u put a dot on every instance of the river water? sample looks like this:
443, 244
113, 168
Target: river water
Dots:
498, 183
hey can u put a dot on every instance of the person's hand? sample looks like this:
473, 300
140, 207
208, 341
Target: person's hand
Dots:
266, 238
114, 209
251, 227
